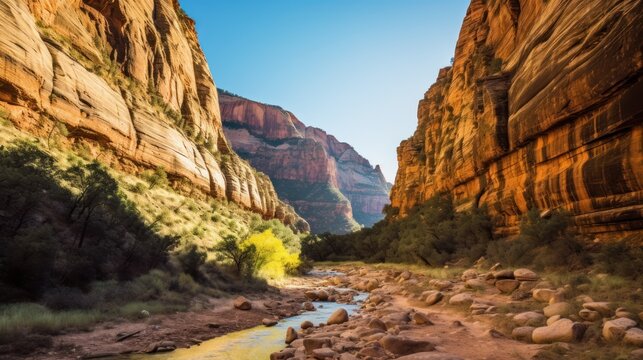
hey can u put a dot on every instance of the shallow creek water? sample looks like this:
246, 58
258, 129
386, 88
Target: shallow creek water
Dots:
256, 343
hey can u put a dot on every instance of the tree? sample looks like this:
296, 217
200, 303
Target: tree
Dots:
230, 249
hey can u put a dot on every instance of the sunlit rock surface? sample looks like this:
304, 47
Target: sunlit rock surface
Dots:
128, 75
541, 108
327, 181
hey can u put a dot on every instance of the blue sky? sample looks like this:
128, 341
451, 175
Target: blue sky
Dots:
355, 68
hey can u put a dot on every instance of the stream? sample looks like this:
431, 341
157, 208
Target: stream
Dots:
256, 343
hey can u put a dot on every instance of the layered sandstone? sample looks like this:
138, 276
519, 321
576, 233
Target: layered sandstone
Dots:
541, 108
130, 76
327, 181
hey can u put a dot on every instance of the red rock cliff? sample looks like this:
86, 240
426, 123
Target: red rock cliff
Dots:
326, 180
541, 108
130, 76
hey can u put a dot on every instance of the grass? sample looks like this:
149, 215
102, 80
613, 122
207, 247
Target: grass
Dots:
29, 318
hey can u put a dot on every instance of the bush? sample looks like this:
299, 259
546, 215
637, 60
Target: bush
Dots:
621, 259
155, 178
191, 259
544, 242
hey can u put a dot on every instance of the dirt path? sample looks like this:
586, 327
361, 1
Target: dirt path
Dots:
468, 339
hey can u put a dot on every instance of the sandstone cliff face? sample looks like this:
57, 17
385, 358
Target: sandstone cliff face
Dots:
327, 181
128, 75
541, 108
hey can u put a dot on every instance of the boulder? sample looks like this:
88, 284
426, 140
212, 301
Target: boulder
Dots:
433, 298
563, 330
324, 353
614, 330
242, 303
530, 318
523, 333
525, 275
562, 308
553, 319
461, 299
269, 322
291, 335
634, 336
400, 345
543, 295
602, 307
283, 354
372, 284
507, 286
338, 317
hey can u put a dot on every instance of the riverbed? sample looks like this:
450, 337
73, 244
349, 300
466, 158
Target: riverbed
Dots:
255, 343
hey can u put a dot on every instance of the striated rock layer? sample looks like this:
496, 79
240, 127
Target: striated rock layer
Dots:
327, 181
130, 76
541, 108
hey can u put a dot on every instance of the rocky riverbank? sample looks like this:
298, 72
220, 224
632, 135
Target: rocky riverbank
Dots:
480, 314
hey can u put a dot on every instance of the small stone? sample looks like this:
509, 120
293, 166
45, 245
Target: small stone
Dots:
308, 306
306, 324
420, 319
469, 274
242, 303
311, 344
269, 322
461, 299
589, 315
291, 335
433, 298
377, 324
523, 333
561, 308
503, 274
475, 284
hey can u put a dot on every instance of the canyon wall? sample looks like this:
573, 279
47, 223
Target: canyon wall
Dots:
542, 107
326, 181
130, 77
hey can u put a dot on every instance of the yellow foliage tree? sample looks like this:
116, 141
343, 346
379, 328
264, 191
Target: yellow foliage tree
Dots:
272, 259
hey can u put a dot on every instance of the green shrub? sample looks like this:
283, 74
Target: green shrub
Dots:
155, 178
191, 259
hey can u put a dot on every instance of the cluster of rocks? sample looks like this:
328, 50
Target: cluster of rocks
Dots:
382, 331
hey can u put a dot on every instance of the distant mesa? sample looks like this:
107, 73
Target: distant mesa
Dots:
327, 182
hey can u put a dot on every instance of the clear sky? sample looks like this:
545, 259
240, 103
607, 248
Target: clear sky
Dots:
355, 68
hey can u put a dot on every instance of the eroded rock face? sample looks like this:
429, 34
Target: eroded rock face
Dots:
130, 76
326, 181
540, 109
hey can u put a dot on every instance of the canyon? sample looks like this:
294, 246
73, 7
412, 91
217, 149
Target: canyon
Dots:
326, 181
130, 84
540, 108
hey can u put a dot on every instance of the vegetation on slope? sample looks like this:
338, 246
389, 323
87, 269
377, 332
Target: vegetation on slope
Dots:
434, 234
87, 243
